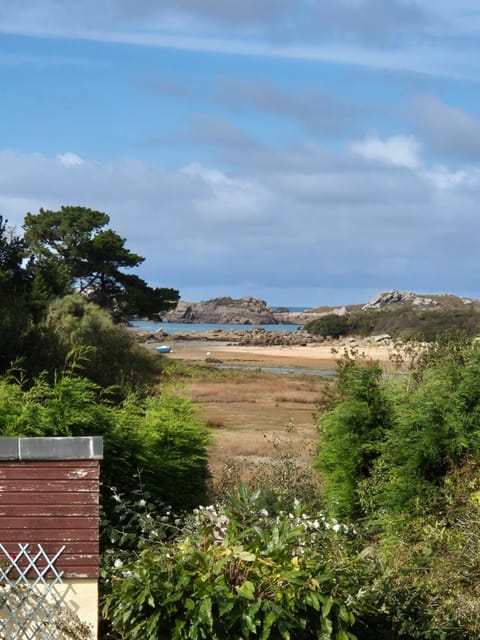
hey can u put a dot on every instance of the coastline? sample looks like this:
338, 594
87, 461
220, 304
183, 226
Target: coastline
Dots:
311, 356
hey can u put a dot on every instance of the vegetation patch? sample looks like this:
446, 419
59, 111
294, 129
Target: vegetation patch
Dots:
400, 321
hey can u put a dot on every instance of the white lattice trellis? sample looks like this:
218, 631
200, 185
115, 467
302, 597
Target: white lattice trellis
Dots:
28, 599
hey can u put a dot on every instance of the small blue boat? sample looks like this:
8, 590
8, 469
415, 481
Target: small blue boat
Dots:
163, 348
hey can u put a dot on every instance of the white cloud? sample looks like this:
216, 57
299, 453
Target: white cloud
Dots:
347, 224
227, 199
446, 179
69, 159
400, 151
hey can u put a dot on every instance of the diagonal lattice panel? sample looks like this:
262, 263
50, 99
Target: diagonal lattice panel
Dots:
29, 595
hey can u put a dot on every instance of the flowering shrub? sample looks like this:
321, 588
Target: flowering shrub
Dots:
237, 572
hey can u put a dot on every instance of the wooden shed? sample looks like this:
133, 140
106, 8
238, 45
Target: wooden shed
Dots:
49, 528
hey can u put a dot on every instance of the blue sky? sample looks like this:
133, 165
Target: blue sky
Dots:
307, 152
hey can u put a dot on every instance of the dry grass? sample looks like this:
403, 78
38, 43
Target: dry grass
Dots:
256, 416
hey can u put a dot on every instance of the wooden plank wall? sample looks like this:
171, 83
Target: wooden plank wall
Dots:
53, 503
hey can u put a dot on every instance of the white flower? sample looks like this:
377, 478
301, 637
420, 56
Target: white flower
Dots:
118, 563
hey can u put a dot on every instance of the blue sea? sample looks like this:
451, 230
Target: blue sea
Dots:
184, 327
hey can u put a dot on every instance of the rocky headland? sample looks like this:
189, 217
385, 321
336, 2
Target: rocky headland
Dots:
250, 311
225, 310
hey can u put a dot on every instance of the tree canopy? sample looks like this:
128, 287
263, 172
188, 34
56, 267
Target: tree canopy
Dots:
13, 277
71, 249
65, 252
15, 282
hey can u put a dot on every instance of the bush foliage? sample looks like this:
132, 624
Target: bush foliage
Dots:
401, 322
236, 572
353, 432
76, 331
388, 441
161, 437
416, 498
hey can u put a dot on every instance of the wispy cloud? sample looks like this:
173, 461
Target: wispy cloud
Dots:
261, 168
315, 109
420, 55
206, 129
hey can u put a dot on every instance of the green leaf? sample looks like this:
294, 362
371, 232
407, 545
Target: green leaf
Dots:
205, 612
314, 602
345, 615
248, 625
225, 606
327, 626
268, 621
326, 607
246, 590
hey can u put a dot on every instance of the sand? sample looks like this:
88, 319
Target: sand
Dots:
313, 356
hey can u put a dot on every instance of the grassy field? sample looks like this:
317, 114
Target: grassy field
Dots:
256, 416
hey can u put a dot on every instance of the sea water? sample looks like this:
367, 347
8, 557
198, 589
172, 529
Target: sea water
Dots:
189, 327
199, 327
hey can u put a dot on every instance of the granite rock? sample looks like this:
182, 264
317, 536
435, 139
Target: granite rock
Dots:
225, 310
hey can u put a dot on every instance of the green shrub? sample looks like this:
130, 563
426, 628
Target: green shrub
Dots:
425, 583
437, 427
236, 572
352, 433
331, 325
402, 322
388, 443
103, 351
162, 437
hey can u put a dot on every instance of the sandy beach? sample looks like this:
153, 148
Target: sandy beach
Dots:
313, 356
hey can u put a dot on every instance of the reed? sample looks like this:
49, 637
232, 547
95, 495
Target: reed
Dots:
255, 416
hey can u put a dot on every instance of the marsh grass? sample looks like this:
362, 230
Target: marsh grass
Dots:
278, 468
256, 417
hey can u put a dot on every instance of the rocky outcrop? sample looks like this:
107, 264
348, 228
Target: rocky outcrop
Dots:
257, 336
249, 310
399, 297
222, 311
304, 317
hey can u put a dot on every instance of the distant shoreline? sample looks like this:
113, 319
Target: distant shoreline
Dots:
204, 327
314, 356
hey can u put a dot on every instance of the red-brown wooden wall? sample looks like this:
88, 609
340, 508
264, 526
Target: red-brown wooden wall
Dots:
53, 503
